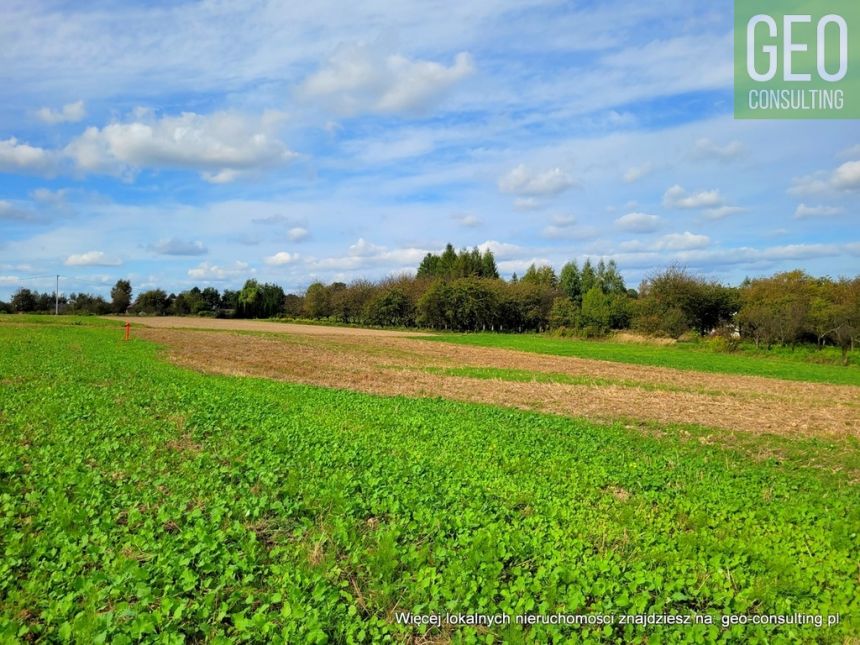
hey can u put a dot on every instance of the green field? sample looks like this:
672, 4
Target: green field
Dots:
798, 365
141, 501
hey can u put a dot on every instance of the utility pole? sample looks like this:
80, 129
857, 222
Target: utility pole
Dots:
57, 297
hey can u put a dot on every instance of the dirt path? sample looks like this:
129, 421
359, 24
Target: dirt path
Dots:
217, 324
387, 363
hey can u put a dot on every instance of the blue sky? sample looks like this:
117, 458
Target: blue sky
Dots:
204, 143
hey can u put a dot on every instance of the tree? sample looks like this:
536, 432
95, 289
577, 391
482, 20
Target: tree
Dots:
570, 281
543, 276
564, 314
845, 315
317, 301
260, 300
211, 298
587, 277
673, 301
777, 309
391, 308
152, 302
84, 303
473, 304
488, 265
432, 310
596, 313
293, 305
24, 301
610, 279
120, 296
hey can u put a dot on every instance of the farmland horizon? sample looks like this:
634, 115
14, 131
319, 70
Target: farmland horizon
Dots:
503, 321
349, 150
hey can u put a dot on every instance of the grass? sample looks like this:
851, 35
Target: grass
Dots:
529, 376
140, 501
684, 356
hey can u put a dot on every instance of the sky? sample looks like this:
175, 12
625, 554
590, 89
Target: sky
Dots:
204, 143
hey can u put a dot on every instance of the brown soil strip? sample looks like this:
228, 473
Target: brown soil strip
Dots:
177, 322
391, 365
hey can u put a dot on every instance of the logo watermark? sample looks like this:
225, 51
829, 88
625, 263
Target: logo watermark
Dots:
797, 59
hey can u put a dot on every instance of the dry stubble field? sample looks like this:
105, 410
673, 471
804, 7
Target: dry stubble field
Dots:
401, 363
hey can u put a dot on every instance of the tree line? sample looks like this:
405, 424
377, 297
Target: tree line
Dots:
462, 291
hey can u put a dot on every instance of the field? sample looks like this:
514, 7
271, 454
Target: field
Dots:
268, 484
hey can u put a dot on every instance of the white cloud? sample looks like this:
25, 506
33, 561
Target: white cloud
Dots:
221, 146
174, 246
11, 212
363, 248
707, 149
722, 212
527, 204
70, 113
682, 242
467, 220
636, 173
358, 79
297, 234
563, 219
282, 258
672, 242
92, 259
677, 197
16, 156
53, 198
557, 232
364, 254
501, 250
521, 266
522, 181
215, 273
845, 178
807, 212
638, 223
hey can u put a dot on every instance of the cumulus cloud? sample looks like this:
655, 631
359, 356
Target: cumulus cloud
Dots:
215, 273
297, 234
175, 246
467, 220
364, 254
563, 227
677, 197
11, 212
808, 212
69, 113
638, 223
221, 146
685, 241
845, 178
682, 242
281, 258
359, 79
523, 181
707, 149
92, 259
722, 212
15, 156
528, 204
556, 232
636, 173
501, 250
363, 248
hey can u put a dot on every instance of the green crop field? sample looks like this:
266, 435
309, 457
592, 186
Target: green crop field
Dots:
799, 365
142, 501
